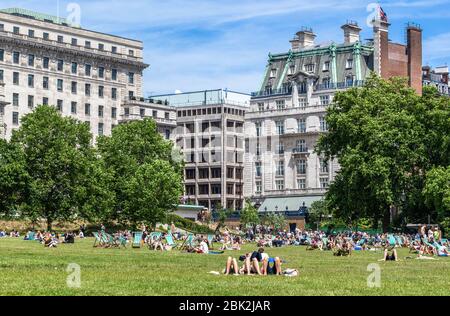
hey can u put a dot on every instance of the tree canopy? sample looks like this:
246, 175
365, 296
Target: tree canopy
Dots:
386, 138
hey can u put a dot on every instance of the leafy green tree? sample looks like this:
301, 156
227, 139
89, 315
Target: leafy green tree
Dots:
383, 144
249, 215
437, 191
58, 160
318, 211
146, 177
13, 178
223, 215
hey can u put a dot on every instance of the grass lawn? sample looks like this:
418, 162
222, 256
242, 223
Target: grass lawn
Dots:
27, 268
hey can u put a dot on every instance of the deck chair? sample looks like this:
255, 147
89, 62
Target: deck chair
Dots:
97, 241
152, 238
31, 236
187, 243
392, 241
170, 241
210, 240
137, 237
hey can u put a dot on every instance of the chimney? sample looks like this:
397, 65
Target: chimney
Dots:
351, 32
414, 48
305, 38
381, 48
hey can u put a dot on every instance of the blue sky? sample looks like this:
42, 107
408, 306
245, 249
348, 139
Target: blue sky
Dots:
206, 44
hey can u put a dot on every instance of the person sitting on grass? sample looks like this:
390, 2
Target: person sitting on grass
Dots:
442, 251
271, 266
237, 243
390, 255
203, 247
232, 267
49, 241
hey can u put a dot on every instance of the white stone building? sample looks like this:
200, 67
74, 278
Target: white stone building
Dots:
85, 74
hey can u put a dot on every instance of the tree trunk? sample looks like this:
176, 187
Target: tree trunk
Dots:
49, 225
386, 219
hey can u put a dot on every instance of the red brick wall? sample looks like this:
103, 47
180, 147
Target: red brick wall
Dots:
398, 61
415, 58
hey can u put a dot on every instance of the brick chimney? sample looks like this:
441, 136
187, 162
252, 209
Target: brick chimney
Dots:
414, 49
351, 32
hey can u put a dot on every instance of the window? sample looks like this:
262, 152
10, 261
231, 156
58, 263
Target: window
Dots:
127, 111
60, 39
281, 104
279, 185
101, 91
349, 81
203, 173
230, 173
15, 118
87, 109
30, 101
87, 70
87, 89
60, 105
258, 187
114, 93
87, 44
100, 129
323, 124
113, 113
141, 112
31, 60
326, 83
203, 189
323, 166
74, 87
101, 47
131, 52
324, 100
114, 74
280, 148
114, 50
16, 57
2, 54
16, 78
74, 68
74, 42
131, 78
73, 108
260, 106
273, 73
349, 64
44, 101
15, 99
2, 27
258, 149
216, 189
258, 126
16, 30
326, 66
216, 173
60, 65
301, 146
30, 81
45, 63
280, 127
301, 166
100, 111
291, 70
101, 72
280, 168
301, 125
60, 85
1, 76
310, 67
324, 183
303, 103
46, 36
301, 184
45, 83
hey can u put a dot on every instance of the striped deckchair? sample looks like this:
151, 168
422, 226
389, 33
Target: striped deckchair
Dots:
137, 237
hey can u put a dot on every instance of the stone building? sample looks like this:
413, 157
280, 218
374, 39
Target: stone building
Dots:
288, 114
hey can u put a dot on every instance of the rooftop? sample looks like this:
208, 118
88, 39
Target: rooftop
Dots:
204, 97
36, 16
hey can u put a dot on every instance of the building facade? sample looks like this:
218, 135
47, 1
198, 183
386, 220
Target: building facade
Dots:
210, 134
287, 116
85, 74
437, 77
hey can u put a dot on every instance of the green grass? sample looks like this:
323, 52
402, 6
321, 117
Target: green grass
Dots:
27, 268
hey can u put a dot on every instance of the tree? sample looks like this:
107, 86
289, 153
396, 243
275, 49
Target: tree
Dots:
145, 175
318, 211
437, 191
385, 137
13, 178
249, 215
58, 159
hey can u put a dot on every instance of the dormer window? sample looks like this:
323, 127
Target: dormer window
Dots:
273, 73
349, 64
310, 67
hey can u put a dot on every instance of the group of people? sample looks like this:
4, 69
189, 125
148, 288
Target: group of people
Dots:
13, 234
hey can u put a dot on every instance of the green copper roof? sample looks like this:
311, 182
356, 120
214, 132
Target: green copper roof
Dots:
35, 15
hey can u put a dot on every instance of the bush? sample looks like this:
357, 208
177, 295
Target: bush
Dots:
188, 225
